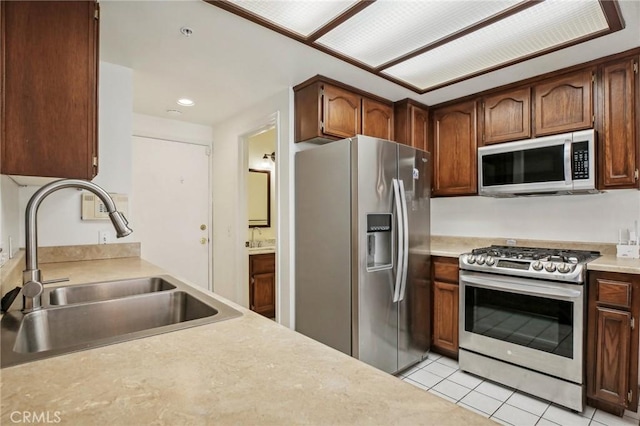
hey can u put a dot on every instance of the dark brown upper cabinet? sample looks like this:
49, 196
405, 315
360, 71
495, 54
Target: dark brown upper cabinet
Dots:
411, 124
507, 116
377, 119
49, 66
564, 103
341, 110
617, 124
455, 150
328, 110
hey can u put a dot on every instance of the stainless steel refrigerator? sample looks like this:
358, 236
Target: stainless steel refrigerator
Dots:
362, 249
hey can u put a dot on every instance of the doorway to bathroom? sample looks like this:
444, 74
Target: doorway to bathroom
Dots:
261, 230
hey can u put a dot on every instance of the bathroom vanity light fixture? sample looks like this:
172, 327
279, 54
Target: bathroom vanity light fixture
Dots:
271, 156
185, 102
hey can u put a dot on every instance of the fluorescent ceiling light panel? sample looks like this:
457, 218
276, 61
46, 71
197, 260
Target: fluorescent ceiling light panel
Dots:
543, 26
300, 16
390, 28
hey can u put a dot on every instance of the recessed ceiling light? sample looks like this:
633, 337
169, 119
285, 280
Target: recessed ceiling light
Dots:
186, 102
174, 112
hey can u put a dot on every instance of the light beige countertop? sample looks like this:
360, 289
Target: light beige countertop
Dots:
246, 371
611, 263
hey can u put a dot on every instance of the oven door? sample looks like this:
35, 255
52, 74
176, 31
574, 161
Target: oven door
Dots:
530, 323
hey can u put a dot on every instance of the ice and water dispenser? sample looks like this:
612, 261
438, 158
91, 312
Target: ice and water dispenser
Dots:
379, 241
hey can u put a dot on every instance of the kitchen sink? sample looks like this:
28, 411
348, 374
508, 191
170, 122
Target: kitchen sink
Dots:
107, 290
158, 305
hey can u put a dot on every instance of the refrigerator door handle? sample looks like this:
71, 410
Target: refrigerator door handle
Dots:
400, 244
405, 229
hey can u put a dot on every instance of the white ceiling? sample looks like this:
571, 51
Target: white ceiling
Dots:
229, 63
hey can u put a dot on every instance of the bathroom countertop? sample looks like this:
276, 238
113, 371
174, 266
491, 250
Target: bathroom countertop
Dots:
247, 370
261, 250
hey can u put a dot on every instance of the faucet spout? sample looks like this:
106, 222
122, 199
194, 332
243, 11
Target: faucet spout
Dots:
31, 278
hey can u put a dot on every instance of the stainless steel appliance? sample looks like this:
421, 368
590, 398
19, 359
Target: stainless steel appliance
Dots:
362, 227
522, 319
559, 164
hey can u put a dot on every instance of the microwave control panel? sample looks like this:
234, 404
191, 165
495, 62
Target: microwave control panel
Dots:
580, 164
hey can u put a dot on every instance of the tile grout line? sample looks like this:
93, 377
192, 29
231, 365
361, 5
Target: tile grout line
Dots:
502, 403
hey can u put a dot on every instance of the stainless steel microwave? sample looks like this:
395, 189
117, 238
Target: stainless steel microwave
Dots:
559, 164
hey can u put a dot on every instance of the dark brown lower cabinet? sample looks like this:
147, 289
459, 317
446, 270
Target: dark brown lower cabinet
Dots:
445, 306
420, 299
262, 284
612, 341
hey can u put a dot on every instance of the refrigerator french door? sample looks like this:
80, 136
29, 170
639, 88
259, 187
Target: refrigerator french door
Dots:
362, 229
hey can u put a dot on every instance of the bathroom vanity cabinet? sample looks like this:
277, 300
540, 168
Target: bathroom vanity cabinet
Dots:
262, 284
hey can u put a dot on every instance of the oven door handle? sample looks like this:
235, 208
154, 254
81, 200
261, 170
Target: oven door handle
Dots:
523, 287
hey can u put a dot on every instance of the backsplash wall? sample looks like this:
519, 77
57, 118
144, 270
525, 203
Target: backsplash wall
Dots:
589, 218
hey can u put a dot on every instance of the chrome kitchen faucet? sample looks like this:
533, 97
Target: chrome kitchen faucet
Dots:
32, 284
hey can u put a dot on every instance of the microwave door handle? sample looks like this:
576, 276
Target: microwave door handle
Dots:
567, 162
513, 286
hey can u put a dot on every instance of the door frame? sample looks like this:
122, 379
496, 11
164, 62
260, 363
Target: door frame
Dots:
269, 122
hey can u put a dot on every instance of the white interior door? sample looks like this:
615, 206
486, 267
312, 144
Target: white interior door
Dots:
171, 196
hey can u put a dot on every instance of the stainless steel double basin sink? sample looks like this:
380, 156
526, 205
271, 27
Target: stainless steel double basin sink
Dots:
79, 317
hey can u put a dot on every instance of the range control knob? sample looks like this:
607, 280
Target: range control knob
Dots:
537, 265
550, 267
563, 268
480, 260
471, 259
490, 261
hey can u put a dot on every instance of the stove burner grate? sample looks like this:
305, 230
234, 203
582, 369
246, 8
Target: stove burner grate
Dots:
535, 253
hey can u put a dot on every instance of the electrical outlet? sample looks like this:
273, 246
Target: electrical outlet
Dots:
103, 237
511, 242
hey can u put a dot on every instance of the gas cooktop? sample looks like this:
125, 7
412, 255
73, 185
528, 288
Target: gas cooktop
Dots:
542, 263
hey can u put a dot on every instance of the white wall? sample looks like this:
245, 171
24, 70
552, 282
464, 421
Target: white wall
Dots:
172, 130
9, 216
229, 230
589, 218
59, 215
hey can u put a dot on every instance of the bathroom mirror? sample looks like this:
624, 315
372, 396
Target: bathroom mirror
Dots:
259, 198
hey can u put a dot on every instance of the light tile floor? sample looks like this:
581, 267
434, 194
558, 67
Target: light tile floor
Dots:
441, 376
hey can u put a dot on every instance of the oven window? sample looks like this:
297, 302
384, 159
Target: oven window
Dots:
528, 166
534, 322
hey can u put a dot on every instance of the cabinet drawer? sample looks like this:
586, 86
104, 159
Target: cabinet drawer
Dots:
446, 270
614, 293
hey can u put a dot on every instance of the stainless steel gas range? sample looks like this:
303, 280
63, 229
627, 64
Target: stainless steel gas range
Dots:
522, 319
